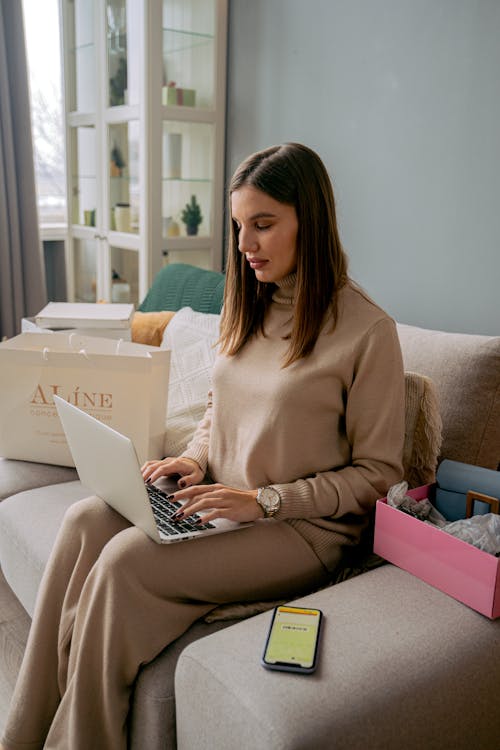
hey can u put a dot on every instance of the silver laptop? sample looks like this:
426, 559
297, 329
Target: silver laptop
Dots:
108, 465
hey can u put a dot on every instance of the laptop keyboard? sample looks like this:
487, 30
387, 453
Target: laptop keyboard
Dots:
164, 509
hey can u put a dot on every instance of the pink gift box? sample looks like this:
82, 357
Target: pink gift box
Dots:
447, 563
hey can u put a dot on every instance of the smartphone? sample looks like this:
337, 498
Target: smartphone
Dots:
293, 639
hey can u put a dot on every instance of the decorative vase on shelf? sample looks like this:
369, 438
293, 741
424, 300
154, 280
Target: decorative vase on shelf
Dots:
172, 155
122, 217
173, 229
89, 217
192, 216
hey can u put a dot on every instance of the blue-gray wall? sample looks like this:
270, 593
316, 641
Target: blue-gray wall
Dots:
401, 99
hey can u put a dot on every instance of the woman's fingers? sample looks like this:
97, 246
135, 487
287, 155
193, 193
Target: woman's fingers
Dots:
197, 497
148, 468
186, 467
194, 478
218, 501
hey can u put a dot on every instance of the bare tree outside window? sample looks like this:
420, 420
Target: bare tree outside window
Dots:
41, 20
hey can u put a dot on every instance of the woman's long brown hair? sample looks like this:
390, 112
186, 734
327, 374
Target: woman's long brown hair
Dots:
295, 175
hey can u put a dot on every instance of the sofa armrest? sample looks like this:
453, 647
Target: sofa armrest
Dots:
401, 665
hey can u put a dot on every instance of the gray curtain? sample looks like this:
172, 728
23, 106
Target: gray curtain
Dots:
22, 273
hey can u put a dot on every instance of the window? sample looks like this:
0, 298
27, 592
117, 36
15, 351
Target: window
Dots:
42, 29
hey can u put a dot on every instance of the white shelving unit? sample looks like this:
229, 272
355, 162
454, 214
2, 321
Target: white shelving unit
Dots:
144, 85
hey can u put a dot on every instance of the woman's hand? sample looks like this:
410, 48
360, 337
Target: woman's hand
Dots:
218, 501
190, 471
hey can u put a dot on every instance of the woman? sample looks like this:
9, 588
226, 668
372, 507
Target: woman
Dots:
304, 425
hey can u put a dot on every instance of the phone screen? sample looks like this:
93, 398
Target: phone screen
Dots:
293, 639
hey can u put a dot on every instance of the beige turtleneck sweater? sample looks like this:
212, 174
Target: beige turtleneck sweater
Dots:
326, 431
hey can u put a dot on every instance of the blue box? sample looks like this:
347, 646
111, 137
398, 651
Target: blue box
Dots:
454, 480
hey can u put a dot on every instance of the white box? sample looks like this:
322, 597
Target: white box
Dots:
85, 315
28, 325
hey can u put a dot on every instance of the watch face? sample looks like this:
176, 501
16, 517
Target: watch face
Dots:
269, 499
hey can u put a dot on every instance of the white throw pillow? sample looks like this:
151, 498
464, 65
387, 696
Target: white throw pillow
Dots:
191, 337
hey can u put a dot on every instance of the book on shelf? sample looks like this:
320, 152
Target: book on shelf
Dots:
64, 315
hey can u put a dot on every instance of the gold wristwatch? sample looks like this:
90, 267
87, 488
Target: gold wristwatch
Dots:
269, 500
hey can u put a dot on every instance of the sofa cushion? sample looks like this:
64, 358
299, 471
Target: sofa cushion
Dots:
466, 371
18, 476
191, 336
29, 522
148, 327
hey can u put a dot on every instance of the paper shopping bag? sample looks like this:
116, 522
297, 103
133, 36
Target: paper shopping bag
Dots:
120, 383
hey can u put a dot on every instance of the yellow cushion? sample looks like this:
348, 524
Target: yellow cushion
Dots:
148, 328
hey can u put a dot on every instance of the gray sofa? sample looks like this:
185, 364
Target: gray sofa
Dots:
402, 664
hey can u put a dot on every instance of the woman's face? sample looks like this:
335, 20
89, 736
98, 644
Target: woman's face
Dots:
267, 233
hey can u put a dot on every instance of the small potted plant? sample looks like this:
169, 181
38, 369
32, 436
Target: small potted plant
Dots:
117, 162
118, 84
191, 216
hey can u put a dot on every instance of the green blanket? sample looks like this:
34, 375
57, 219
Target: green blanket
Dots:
180, 285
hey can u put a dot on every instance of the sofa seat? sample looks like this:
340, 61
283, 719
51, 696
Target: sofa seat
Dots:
18, 476
401, 665
29, 522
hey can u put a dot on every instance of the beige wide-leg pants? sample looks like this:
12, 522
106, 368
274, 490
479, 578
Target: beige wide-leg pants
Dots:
111, 599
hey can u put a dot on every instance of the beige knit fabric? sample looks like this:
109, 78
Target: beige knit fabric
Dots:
423, 430
420, 456
269, 425
466, 371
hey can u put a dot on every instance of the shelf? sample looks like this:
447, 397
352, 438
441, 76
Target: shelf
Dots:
189, 114
161, 41
184, 40
81, 47
121, 113
124, 240
84, 232
184, 242
78, 119
187, 180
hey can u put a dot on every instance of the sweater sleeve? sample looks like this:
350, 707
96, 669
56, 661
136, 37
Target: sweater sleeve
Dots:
197, 448
374, 423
